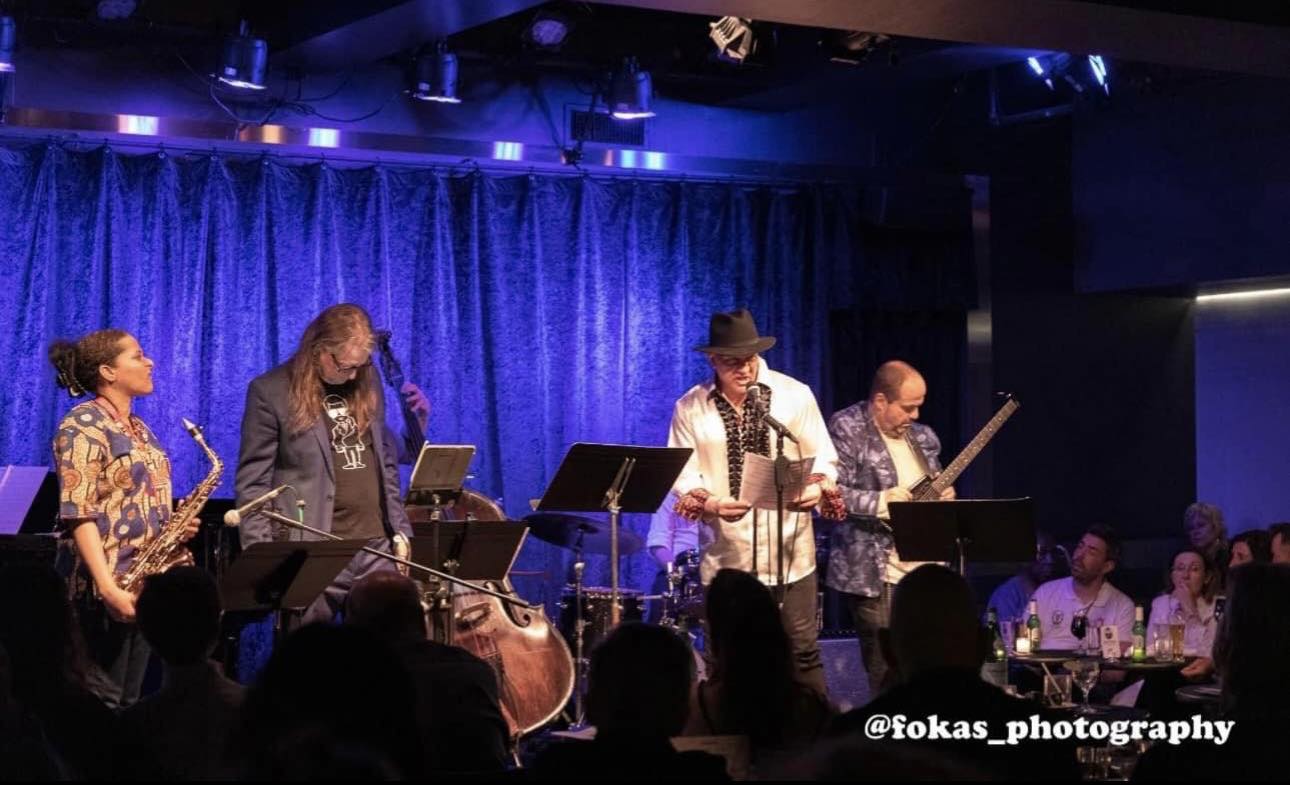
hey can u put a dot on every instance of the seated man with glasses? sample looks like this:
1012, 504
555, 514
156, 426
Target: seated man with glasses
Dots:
316, 422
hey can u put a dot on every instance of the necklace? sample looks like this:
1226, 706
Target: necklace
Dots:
126, 423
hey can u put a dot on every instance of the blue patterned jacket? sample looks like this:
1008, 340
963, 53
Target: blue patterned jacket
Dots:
859, 545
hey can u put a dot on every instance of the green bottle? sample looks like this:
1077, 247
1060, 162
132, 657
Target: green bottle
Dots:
998, 652
1139, 635
1033, 627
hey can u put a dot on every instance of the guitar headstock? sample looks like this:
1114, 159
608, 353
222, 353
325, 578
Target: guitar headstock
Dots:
390, 368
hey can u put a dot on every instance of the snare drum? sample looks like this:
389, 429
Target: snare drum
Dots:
595, 613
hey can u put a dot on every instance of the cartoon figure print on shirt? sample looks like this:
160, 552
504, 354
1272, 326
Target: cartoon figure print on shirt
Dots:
344, 434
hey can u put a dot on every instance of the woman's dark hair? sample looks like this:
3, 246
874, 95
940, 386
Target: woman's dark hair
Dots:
753, 657
1252, 641
78, 363
1258, 541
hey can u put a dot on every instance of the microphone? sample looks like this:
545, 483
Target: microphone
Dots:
234, 517
754, 393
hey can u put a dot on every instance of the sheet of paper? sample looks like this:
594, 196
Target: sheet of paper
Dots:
758, 485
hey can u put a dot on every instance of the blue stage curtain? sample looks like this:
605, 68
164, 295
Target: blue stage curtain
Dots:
536, 310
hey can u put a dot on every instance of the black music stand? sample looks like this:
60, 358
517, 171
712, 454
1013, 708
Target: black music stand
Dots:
990, 529
473, 551
595, 477
283, 576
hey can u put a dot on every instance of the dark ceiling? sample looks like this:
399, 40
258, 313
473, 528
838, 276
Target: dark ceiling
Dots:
795, 64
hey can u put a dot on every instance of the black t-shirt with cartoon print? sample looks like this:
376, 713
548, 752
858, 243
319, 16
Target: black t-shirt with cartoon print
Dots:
357, 512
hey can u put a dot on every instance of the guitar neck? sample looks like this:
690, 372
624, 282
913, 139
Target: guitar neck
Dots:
965, 457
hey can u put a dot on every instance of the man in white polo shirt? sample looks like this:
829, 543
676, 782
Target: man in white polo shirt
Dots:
1085, 592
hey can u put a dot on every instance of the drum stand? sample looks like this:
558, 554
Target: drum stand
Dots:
579, 625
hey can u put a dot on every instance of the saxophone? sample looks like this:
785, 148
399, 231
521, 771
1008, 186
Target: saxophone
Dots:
169, 549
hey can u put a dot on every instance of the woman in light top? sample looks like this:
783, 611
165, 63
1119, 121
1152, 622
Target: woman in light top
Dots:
1187, 602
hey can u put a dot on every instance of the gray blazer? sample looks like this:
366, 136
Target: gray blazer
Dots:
270, 456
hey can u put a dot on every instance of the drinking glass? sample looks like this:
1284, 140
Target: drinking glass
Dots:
1086, 673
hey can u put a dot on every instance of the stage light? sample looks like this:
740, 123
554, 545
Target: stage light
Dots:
8, 40
116, 9
436, 76
854, 47
244, 62
734, 38
631, 92
1035, 65
547, 30
1098, 66
1252, 294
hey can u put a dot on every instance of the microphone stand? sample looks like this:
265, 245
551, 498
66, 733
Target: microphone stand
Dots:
443, 576
781, 482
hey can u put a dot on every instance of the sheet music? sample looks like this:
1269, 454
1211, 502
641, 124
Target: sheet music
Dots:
758, 485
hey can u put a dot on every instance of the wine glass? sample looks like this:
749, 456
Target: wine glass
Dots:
1086, 672
1079, 626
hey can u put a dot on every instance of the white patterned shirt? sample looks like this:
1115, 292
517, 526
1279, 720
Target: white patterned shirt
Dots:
697, 423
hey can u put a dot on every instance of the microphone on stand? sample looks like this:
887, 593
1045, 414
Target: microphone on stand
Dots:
234, 517
754, 392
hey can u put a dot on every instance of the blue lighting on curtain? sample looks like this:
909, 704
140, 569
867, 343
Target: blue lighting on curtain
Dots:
324, 137
534, 310
508, 151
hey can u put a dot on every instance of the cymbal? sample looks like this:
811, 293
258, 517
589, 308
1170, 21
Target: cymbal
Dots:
565, 531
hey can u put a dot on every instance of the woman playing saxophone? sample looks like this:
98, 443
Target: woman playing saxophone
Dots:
114, 497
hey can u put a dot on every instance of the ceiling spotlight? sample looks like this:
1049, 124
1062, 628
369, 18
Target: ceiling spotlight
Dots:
547, 30
436, 76
8, 39
1097, 65
116, 9
244, 62
631, 92
853, 47
733, 37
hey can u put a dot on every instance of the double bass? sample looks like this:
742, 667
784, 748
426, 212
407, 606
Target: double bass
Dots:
535, 673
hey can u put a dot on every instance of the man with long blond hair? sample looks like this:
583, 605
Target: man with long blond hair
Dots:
316, 422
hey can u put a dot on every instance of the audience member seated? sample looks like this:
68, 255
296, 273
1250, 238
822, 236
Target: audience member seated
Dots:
752, 691
24, 752
1011, 597
48, 665
638, 695
1250, 655
936, 645
1279, 534
457, 706
1207, 533
182, 731
1250, 546
333, 702
1186, 603
1087, 591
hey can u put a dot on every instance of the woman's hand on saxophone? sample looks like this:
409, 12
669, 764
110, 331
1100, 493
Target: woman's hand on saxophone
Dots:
194, 526
119, 603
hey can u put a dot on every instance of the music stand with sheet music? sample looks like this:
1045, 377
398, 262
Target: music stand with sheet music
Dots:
615, 477
284, 576
995, 530
439, 472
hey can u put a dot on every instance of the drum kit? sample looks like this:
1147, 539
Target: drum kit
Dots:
585, 617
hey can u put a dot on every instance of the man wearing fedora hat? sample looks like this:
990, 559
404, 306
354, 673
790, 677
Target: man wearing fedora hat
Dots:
720, 422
